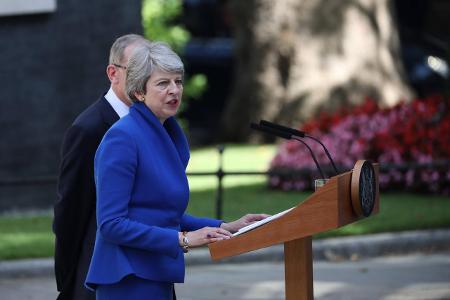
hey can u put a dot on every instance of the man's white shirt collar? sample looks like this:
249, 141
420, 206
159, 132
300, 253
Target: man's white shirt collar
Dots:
119, 107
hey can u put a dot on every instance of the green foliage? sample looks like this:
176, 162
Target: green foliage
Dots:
159, 20
196, 85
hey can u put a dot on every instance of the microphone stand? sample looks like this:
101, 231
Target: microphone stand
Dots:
326, 152
312, 155
300, 134
288, 136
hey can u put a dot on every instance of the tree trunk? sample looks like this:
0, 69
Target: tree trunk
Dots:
296, 57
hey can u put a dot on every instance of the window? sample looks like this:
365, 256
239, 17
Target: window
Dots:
22, 7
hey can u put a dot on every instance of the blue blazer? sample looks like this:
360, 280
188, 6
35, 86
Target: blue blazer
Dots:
142, 195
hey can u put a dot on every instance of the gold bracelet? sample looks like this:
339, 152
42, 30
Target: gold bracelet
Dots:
185, 241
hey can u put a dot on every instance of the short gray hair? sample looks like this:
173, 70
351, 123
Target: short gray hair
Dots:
116, 54
144, 61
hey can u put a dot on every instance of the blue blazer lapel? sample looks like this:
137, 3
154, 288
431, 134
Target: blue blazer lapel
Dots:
179, 139
171, 132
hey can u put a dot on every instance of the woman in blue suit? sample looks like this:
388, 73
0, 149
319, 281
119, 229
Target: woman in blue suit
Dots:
142, 188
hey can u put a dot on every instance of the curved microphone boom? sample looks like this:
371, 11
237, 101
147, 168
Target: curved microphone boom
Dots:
312, 155
288, 136
300, 134
326, 152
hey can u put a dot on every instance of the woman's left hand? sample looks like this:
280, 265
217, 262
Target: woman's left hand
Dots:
242, 222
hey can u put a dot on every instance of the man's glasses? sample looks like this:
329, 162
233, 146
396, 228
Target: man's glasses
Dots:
120, 66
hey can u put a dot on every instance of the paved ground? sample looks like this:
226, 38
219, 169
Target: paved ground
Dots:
408, 277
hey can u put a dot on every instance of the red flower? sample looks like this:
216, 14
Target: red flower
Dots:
418, 131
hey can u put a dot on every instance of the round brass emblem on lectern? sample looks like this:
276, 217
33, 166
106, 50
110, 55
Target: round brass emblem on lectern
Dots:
363, 188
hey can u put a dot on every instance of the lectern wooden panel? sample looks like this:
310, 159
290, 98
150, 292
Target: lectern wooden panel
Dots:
327, 208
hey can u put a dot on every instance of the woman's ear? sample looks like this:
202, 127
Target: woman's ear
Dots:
139, 96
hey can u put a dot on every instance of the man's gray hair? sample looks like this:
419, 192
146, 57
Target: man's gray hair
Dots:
116, 53
144, 60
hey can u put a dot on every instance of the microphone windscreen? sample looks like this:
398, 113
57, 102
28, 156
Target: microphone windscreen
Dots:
271, 131
278, 127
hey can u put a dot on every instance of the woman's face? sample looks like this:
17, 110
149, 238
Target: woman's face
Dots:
164, 92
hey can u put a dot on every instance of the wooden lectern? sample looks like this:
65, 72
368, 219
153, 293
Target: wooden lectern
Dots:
344, 199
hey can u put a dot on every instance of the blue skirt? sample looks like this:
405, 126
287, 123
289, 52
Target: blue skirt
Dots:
135, 288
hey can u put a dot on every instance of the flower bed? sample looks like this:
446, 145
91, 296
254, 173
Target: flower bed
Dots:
403, 139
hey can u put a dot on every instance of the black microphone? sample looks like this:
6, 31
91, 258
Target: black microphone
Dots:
287, 136
272, 131
299, 134
282, 128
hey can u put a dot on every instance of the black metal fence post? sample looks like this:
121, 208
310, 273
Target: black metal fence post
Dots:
220, 174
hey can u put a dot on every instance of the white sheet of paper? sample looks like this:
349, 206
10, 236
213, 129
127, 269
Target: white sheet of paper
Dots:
262, 222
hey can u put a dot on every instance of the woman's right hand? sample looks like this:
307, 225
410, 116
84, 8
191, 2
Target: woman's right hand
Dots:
205, 236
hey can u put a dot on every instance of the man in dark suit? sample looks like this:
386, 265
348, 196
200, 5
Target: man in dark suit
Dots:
74, 222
